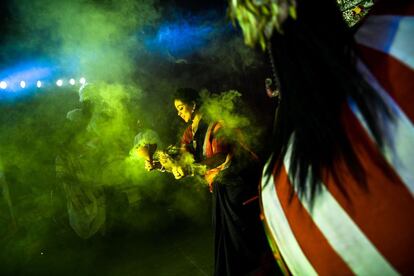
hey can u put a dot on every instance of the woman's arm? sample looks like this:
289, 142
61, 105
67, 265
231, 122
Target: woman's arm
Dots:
215, 161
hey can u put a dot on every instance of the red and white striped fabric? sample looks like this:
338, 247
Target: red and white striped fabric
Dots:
371, 230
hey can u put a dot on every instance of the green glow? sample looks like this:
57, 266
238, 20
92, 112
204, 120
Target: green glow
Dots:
35, 133
127, 96
228, 108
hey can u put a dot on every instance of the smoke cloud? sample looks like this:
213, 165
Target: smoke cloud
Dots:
64, 154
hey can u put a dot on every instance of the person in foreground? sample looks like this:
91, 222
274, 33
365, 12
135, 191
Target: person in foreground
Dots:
337, 191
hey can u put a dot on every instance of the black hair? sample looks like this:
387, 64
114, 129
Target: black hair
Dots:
317, 73
188, 96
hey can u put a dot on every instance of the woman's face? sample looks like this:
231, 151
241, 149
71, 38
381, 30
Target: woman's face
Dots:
184, 110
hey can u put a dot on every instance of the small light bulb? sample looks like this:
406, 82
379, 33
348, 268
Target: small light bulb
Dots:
3, 85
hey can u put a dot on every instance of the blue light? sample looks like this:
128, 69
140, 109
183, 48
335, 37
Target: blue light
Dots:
19, 78
183, 38
29, 78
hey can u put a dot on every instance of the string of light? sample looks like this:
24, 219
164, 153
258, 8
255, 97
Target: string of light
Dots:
4, 84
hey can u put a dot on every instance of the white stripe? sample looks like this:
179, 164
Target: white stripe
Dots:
403, 46
400, 151
343, 234
279, 227
393, 35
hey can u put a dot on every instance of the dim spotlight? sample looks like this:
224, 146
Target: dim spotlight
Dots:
22, 84
72, 81
39, 84
59, 82
82, 80
3, 85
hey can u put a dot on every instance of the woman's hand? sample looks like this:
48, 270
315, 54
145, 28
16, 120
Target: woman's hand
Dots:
149, 165
165, 160
178, 172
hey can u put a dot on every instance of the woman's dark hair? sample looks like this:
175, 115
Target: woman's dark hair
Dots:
188, 96
317, 75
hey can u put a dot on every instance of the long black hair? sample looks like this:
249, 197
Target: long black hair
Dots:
316, 69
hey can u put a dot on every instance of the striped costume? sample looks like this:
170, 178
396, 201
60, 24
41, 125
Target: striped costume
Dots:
366, 230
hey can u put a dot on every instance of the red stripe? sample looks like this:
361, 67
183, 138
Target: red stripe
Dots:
384, 210
187, 136
394, 7
313, 243
395, 77
217, 144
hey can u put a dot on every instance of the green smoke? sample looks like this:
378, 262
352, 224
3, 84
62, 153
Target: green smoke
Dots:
36, 133
229, 109
98, 38
56, 146
59, 168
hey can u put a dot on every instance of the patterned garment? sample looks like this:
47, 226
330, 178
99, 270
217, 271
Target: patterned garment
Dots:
354, 11
369, 230
211, 146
